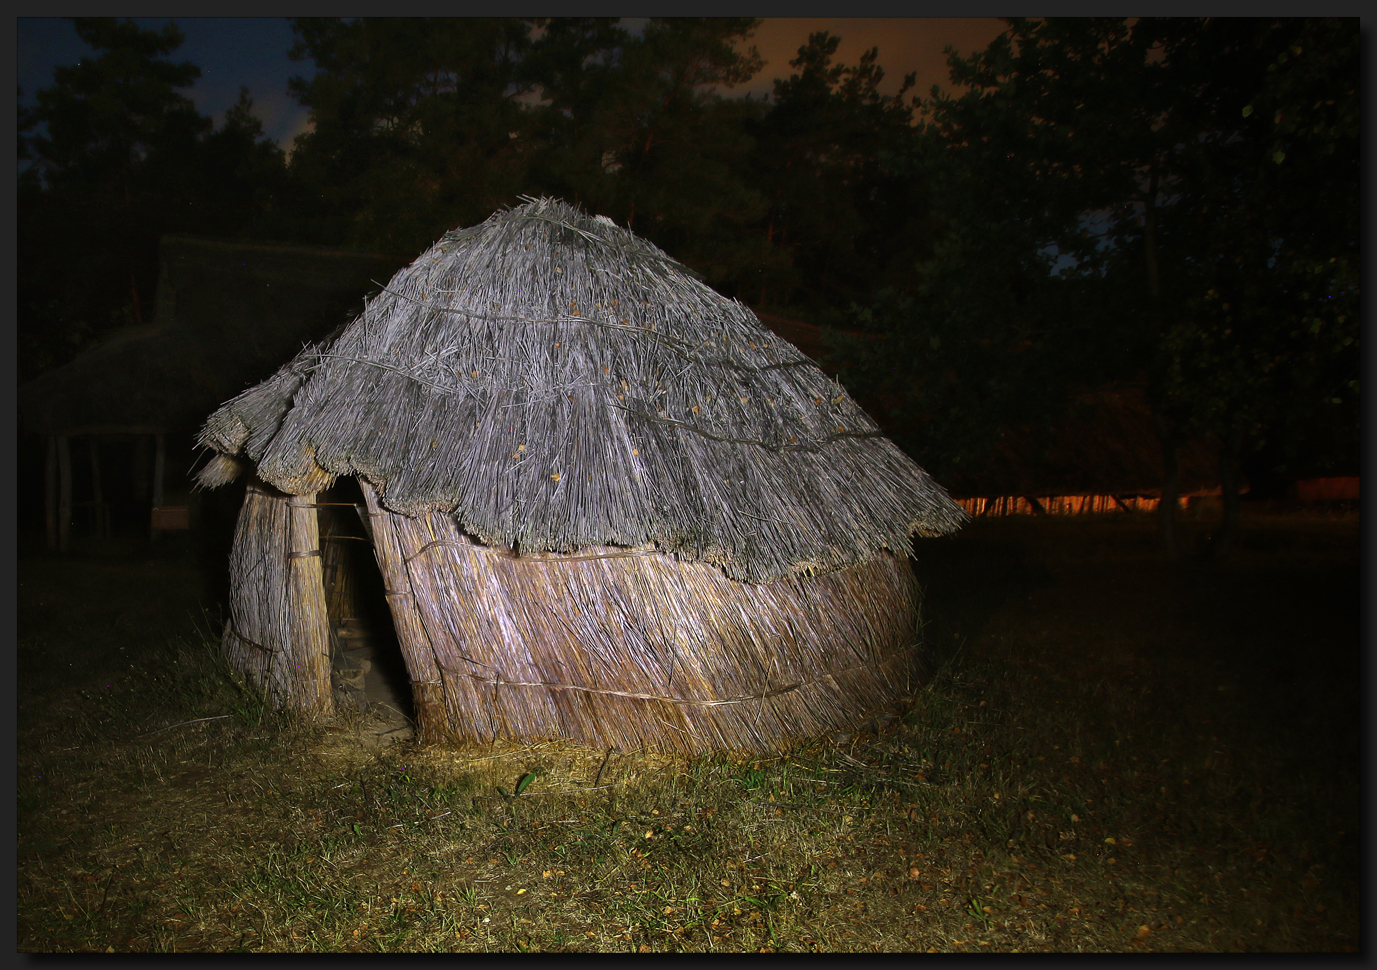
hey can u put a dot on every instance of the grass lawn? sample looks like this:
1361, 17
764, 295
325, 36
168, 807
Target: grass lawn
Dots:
1110, 754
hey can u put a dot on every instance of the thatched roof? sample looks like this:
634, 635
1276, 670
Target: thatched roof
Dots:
556, 382
228, 312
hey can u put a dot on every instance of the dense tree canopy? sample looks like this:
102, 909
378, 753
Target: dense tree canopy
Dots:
836, 219
118, 156
1117, 204
1170, 202
641, 131
417, 125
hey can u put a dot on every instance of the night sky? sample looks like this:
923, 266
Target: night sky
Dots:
252, 51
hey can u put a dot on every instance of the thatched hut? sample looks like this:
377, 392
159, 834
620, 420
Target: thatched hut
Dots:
606, 503
227, 311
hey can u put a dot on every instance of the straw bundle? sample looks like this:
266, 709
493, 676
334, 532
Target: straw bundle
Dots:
278, 630
607, 503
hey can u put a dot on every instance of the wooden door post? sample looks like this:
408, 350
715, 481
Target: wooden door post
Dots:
100, 520
64, 492
50, 491
159, 458
139, 477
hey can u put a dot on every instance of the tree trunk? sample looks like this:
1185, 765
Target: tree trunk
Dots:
1229, 450
50, 491
1150, 241
1166, 434
100, 519
159, 458
134, 291
1171, 484
64, 493
141, 477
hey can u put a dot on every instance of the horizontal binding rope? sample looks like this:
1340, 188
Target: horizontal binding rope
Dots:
810, 448
243, 639
745, 699
303, 555
641, 697
506, 554
299, 505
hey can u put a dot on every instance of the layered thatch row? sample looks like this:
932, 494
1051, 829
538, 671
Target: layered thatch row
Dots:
556, 382
606, 503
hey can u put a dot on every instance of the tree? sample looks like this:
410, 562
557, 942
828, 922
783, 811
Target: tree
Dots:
240, 181
418, 125
838, 219
105, 136
1280, 318
636, 129
987, 339
1123, 151
573, 65
1263, 335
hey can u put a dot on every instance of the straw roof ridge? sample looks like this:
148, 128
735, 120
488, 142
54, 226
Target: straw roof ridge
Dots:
555, 382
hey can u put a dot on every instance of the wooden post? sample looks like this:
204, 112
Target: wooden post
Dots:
64, 493
427, 685
140, 468
159, 458
100, 520
50, 491
278, 634
159, 463
307, 625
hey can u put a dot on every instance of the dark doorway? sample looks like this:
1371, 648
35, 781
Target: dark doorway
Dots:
368, 668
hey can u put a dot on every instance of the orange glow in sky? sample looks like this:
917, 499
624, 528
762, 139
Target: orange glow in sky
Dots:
906, 44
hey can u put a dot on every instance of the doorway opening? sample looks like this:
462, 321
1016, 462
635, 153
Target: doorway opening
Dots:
368, 671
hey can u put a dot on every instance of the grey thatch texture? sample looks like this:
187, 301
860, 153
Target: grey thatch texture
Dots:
556, 383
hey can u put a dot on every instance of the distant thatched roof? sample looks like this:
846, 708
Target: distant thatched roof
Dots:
228, 312
1106, 446
556, 382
